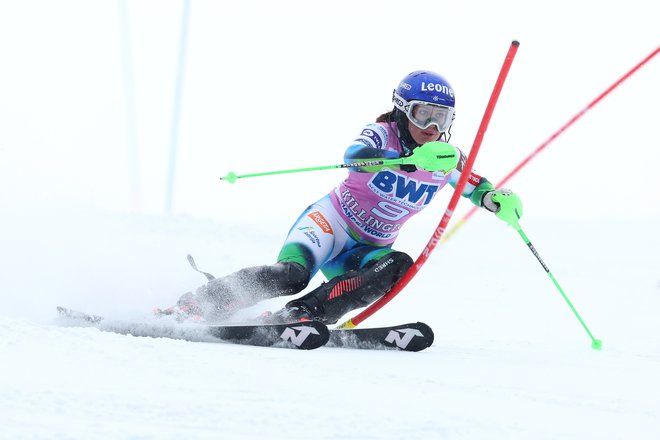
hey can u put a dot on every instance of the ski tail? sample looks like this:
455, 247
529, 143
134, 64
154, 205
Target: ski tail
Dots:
78, 316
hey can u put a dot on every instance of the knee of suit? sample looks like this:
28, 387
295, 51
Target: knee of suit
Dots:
268, 281
295, 277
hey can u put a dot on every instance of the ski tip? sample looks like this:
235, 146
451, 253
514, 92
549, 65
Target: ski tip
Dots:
321, 333
425, 326
428, 331
515, 43
413, 336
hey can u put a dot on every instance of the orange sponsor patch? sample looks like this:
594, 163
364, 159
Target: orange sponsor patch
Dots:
321, 221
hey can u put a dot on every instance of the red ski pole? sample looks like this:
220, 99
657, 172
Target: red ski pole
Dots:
533, 154
467, 169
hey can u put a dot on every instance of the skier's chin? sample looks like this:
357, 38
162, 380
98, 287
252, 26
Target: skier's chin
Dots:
424, 137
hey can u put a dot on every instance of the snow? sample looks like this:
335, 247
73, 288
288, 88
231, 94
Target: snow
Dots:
510, 360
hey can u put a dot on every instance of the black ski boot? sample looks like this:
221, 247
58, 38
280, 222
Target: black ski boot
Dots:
332, 300
297, 313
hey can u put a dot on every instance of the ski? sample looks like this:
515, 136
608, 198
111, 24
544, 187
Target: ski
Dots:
408, 337
302, 335
306, 335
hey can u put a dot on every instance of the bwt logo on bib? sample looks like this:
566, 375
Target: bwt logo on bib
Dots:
440, 88
404, 188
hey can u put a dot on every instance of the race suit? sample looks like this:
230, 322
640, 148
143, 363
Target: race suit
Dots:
361, 218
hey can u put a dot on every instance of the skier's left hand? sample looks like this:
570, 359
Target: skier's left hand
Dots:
505, 204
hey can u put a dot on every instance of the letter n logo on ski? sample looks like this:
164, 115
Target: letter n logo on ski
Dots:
395, 336
321, 221
289, 334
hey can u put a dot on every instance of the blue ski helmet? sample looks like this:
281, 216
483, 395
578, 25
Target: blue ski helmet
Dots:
424, 86
423, 98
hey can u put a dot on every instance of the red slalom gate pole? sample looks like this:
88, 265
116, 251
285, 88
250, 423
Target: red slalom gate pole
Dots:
548, 141
458, 191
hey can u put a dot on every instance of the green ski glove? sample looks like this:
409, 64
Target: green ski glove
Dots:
505, 204
433, 156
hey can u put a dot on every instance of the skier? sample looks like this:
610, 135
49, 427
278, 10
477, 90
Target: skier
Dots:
348, 234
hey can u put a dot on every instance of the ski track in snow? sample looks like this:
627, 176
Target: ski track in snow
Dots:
84, 383
508, 362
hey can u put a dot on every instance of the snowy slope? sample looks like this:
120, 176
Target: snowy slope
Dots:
509, 360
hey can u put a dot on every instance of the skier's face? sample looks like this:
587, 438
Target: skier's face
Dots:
423, 135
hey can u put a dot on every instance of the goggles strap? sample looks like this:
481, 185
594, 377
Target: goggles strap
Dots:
400, 103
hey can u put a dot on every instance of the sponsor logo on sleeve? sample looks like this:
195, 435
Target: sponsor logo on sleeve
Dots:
373, 135
321, 221
309, 232
474, 179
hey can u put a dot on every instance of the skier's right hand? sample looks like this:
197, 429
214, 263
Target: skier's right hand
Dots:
434, 156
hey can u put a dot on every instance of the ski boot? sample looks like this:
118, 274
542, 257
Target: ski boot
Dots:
186, 309
355, 289
287, 315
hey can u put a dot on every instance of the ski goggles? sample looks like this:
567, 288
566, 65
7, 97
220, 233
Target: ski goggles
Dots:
424, 114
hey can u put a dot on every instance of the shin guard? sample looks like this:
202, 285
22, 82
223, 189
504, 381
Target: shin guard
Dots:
355, 289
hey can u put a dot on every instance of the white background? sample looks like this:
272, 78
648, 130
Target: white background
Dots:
276, 85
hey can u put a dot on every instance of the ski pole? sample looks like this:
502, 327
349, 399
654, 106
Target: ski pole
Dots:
232, 177
548, 141
596, 344
439, 156
458, 190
